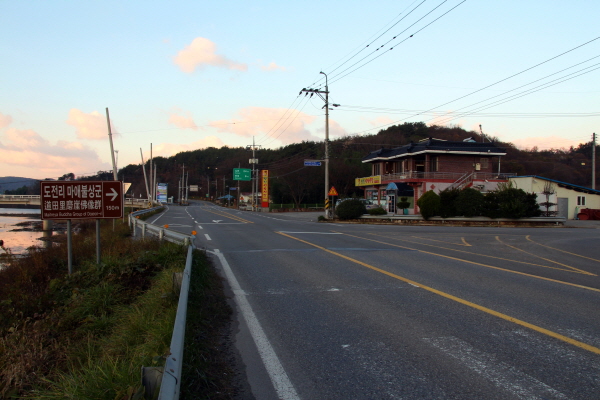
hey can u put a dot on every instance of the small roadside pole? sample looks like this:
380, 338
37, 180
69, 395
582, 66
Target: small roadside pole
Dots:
333, 193
60, 200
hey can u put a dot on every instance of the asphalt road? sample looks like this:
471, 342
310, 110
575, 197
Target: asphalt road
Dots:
347, 311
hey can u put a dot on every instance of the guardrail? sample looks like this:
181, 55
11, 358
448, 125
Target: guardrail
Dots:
170, 375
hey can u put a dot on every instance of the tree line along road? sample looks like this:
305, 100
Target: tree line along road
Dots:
349, 311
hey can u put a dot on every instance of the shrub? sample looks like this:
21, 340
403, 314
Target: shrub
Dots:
510, 202
403, 204
350, 209
469, 203
429, 204
448, 202
490, 206
377, 211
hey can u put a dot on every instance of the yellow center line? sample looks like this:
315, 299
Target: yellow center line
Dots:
545, 259
480, 264
536, 328
563, 251
484, 255
443, 241
227, 215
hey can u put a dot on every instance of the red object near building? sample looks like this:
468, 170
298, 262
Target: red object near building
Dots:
588, 213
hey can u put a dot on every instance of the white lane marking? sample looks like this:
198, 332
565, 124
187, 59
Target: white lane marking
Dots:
207, 237
281, 382
216, 221
200, 227
315, 233
178, 225
505, 376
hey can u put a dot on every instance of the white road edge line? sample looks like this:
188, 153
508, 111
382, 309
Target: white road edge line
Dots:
281, 382
207, 237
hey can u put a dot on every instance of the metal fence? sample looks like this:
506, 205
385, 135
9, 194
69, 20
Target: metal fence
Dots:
170, 375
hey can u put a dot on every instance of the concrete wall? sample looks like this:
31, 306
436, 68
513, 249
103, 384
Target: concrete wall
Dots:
536, 185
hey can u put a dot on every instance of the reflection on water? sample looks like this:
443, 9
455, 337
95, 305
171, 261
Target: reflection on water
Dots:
18, 238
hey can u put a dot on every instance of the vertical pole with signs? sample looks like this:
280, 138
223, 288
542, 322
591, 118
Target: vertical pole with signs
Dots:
333, 193
265, 188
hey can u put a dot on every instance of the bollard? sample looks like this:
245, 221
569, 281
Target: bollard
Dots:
161, 234
134, 226
143, 230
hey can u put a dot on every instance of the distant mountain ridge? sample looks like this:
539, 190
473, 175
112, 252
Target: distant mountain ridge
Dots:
14, 182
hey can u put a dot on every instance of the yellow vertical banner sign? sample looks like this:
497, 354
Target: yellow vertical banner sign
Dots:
265, 188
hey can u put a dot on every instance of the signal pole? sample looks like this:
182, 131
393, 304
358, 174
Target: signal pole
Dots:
320, 93
253, 161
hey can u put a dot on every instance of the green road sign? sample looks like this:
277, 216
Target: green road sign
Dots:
242, 174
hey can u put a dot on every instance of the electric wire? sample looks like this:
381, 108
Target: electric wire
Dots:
486, 87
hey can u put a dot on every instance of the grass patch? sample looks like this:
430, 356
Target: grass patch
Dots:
86, 335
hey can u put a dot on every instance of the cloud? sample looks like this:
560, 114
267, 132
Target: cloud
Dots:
89, 126
335, 129
285, 126
182, 121
31, 155
379, 121
272, 67
5, 120
202, 52
170, 149
544, 142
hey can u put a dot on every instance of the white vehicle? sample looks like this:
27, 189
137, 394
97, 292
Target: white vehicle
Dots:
368, 203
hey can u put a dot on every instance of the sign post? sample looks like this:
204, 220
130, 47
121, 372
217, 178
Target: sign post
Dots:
332, 193
81, 200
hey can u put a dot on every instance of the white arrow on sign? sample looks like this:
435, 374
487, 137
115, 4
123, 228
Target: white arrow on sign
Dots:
114, 194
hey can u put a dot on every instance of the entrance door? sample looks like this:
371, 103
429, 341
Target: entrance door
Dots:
563, 207
392, 203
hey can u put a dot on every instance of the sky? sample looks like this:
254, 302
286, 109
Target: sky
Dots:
187, 75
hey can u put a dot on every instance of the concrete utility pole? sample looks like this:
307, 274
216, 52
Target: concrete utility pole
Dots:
594, 160
320, 93
112, 150
253, 161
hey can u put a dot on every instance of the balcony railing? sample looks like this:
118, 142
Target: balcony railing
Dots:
451, 176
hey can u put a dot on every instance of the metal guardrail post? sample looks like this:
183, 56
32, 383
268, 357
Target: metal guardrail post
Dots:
143, 230
161, 234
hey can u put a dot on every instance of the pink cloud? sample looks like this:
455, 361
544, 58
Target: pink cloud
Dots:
5, 120
89, 126
269, 123
545, 142
27, 153
272, 67
182, 121
335, 129
379, 121
202, 52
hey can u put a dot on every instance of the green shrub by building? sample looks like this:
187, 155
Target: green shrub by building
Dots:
429, 204
377, 211
350, 209
469, 203
448, 202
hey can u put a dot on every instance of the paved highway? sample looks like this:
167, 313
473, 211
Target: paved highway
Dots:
347, 311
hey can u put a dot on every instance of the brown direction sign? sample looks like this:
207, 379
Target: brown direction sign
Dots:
81, 199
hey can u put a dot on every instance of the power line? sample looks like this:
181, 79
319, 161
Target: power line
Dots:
486, 87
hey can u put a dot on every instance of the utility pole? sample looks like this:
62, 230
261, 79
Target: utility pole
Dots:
112, 151
253, 161
594, 160
320, 93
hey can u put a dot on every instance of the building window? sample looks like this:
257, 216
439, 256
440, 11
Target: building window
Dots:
581, 200
376, 169
484, 163
435, 161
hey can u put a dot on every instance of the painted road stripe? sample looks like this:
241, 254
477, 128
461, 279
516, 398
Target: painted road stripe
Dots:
281, 382
554, 248
505, 317
545, 259
503, 375
469, 252
316, 233
207, 237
